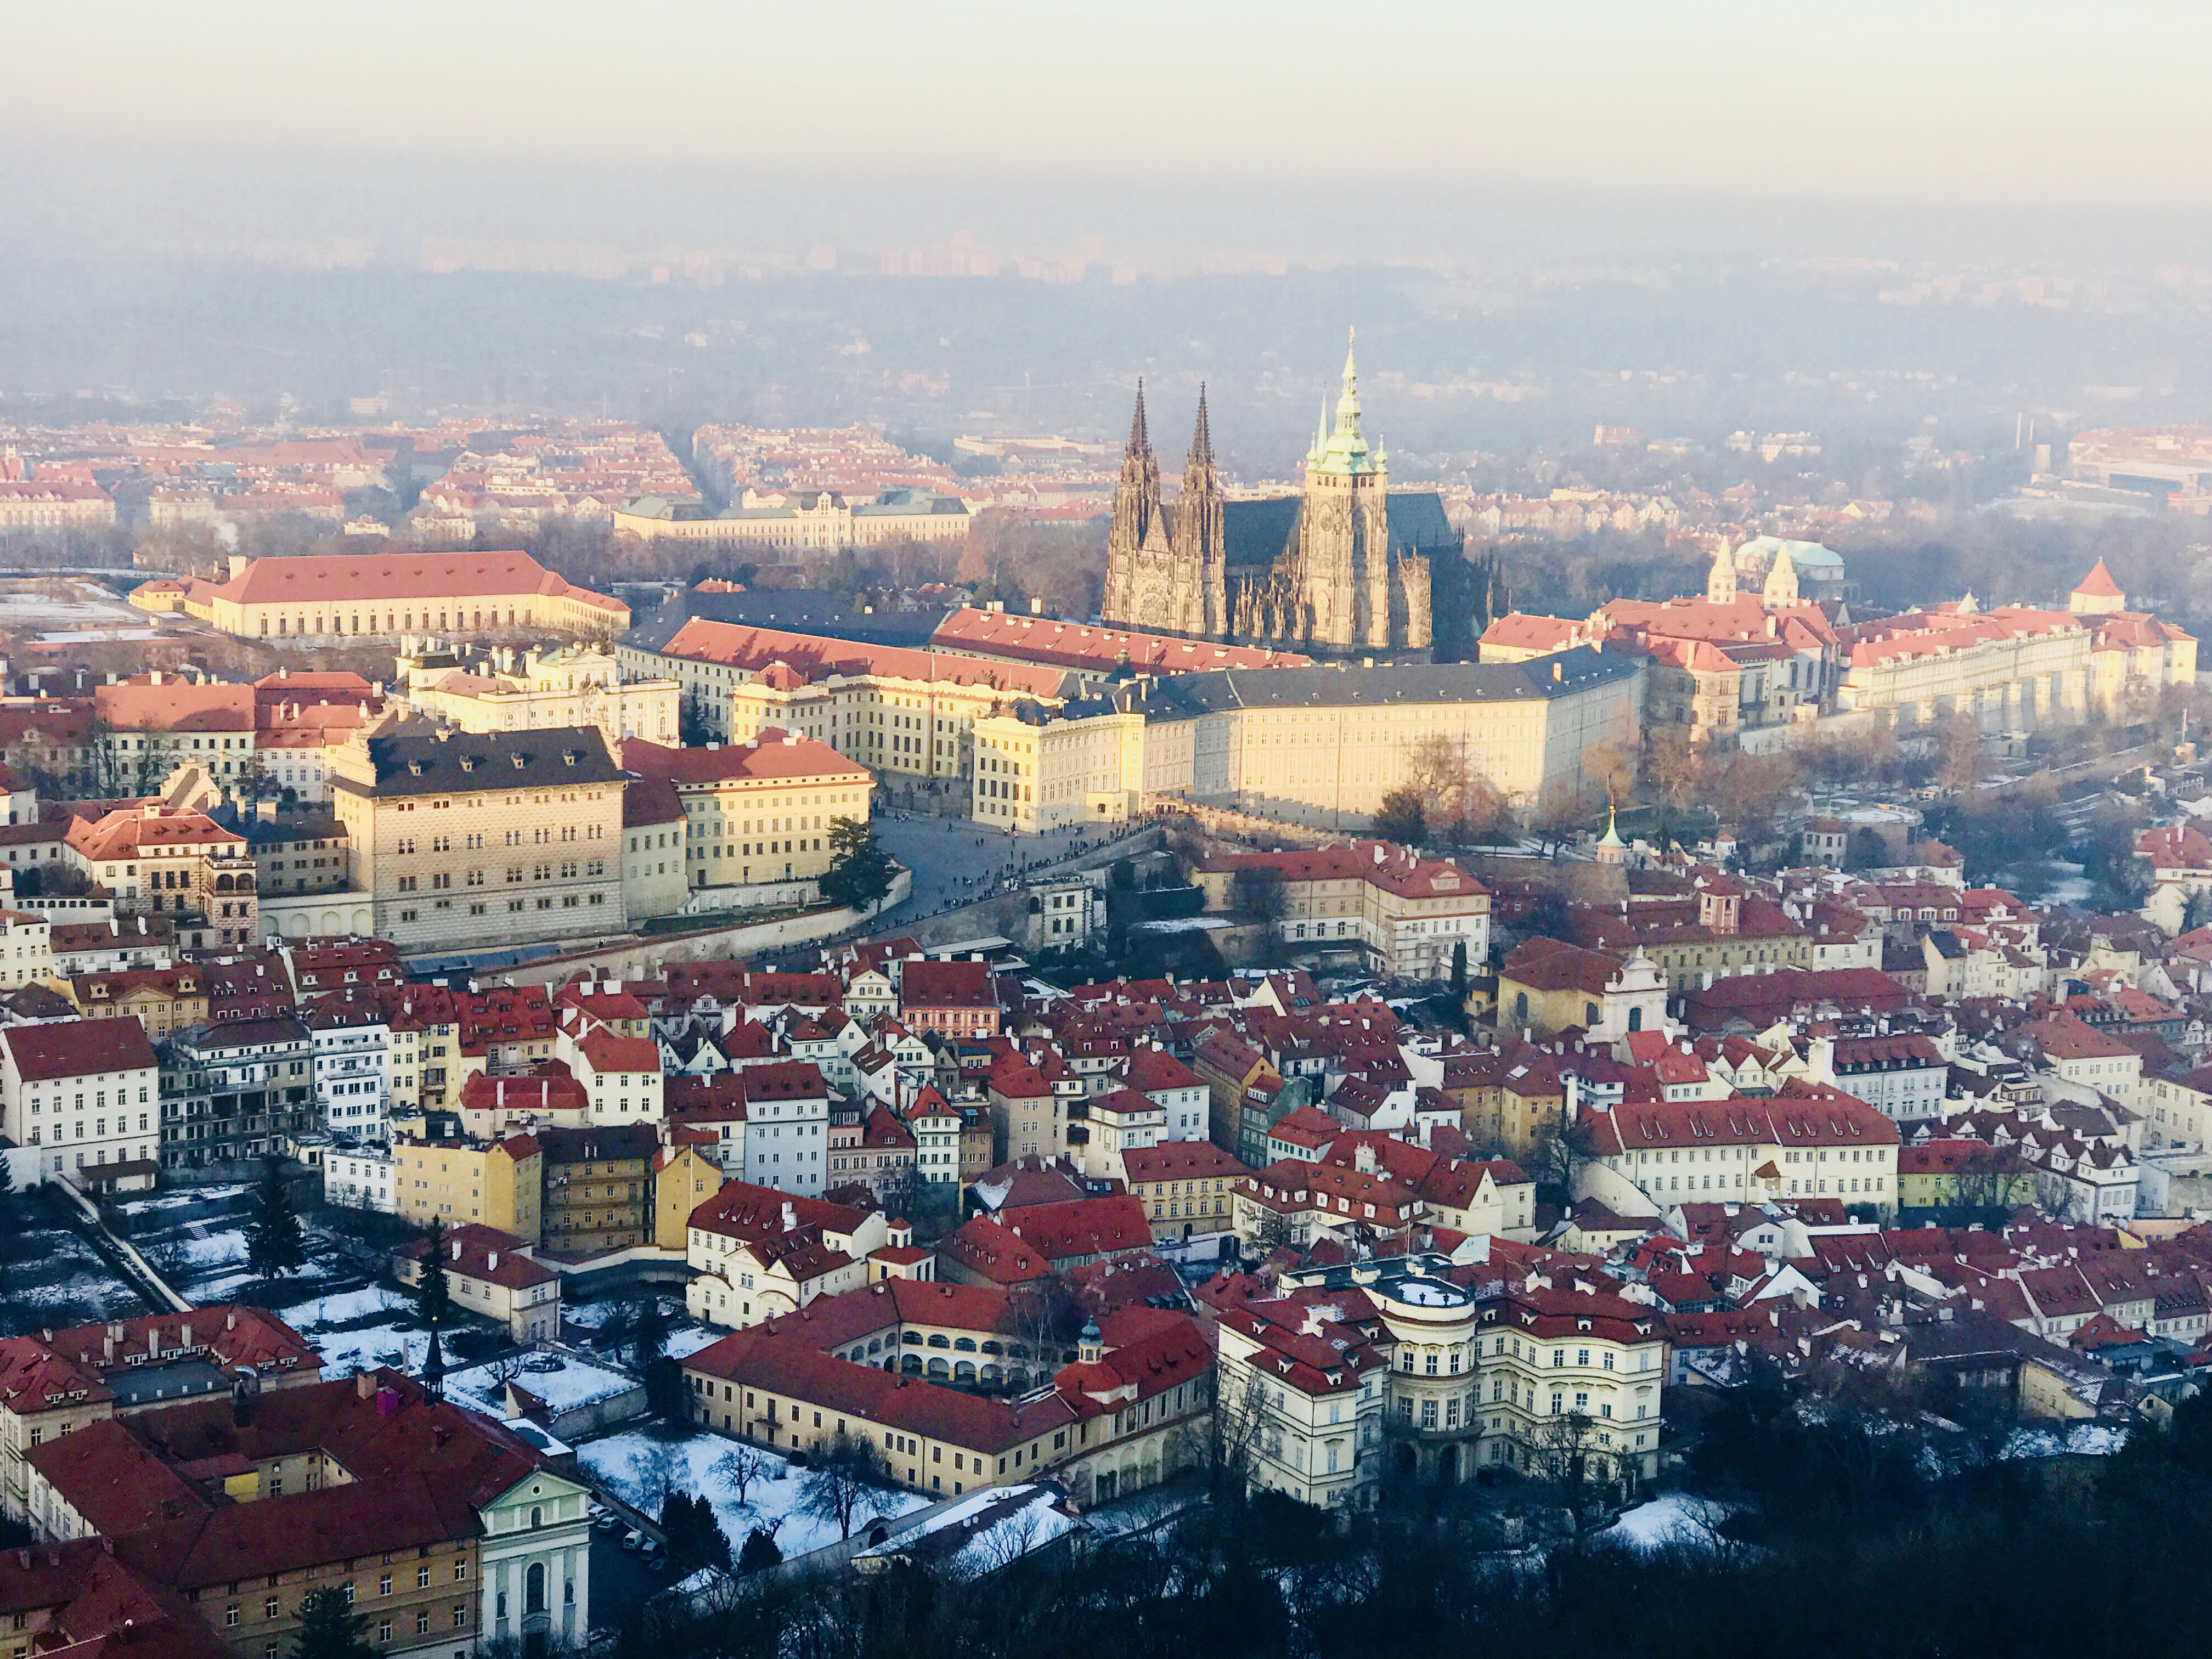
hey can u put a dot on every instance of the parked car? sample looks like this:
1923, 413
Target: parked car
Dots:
607, 1521
633, 1541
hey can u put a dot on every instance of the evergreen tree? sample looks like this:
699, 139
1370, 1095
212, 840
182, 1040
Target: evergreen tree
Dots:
330, 1629
861, 871
1403, 817
648, 1332
11, 1212
696, 1538
760, 1551
434, 1296
275, 1244
1459, 968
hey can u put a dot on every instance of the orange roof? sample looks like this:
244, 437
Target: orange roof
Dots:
175, 705
336, 578
753, 649
1080, 646
2099, 584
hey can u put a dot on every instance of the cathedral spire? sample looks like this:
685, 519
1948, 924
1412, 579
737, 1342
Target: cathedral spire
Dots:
1139, 439
1201, 440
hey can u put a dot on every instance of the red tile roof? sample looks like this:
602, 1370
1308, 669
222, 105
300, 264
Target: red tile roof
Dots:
77, 1047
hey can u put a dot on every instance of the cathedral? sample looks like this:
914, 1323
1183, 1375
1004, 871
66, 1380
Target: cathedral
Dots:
1340, 570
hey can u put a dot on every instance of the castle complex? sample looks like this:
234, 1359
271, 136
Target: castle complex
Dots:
1340, 570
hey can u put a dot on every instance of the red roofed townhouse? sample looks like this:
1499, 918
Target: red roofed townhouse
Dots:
54, 1381
1302, 1203
786, 1125
1028, 1115
83, 1097
1186, 1187
759, 1252
453, 1529
490, 1273
1123, 1416
44, 503
180, 864
759, 812
1179, 1092
2081, 1054
328, 596
953, 999
1404, 914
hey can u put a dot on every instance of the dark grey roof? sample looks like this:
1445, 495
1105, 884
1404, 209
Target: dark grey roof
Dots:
262, 833
800, 611
1257, 531
1187, 696
464, 762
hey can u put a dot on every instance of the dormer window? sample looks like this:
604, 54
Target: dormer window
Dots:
518, 761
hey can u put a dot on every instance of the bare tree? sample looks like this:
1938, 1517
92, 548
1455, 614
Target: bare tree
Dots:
1674, 765
744, 1467
1256, 892
840, 1481
1613, 768
1961, 766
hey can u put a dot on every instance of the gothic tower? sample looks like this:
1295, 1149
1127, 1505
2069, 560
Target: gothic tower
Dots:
1201, 603
1344, 577
1138, 526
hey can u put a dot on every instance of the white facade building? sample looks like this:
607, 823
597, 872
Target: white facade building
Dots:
359, 1178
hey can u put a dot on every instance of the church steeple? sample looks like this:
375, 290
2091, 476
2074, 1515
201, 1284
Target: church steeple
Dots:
1201, 440
1344, 449
1140, 442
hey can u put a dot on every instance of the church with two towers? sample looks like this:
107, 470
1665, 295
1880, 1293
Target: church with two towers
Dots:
1340, 570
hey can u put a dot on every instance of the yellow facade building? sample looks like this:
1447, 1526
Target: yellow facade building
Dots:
495, 1183
330, 596
1324, 745
760, 810
892, 708
1040, 767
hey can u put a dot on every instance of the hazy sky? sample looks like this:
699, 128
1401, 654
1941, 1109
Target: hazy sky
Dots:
1989, 104
1175, 129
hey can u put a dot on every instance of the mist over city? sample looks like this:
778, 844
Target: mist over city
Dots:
1214, 830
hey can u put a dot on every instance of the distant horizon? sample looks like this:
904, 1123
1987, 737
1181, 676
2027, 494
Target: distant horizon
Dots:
1422, 130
